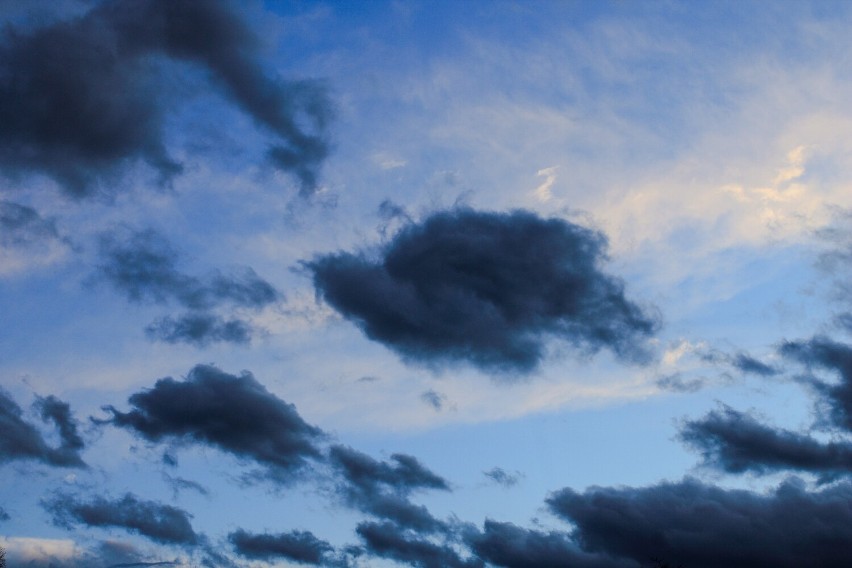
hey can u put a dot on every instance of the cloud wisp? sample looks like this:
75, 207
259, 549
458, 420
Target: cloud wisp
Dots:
235, 414
486, 289
143, 266
20, 440
161, 523
58, 81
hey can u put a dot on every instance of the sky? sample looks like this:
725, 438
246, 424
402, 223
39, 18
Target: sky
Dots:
433, 284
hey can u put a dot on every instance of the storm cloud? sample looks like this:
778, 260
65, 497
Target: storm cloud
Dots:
299, 546
736, 442
487, 289
82, 99
235, 414
702, 526
382, 489
161, 523
20, 440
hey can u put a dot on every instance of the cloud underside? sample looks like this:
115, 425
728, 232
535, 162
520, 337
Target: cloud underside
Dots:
235, 414
487, 289
82, 99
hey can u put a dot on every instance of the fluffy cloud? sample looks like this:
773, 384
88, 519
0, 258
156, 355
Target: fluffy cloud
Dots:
235, 414
487, 289
80, 99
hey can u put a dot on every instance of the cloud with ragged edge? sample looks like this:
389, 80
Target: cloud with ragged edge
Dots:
487, 289
56, 82
164, 524
382, 489
296, 546
235, 414
20, 440
143, 266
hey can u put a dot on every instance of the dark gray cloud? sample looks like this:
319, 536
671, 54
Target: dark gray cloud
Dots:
144, 267
383, 490
702, 526
502, 477
199, 329
21, 225
299, 546
823, 352
179, 484
504, 544
233, 413
487, 289
388, 540
82, 99
736, 442
748, 364
20, 440
161, 523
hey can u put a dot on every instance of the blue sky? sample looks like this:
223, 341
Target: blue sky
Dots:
425, 283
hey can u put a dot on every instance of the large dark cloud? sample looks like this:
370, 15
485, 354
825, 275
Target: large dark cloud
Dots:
486, 288
233, 413
702, 526
825, 353
83, 98
388, 540
299, 546
736, 442
161, 523
20, 440
504, 544
383, 490
144, 267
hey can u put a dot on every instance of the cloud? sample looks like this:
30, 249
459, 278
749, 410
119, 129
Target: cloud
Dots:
144, 267
199, 329
486, 289
502, 477
20, 440
702, 526
504, 544
434, 399
388, 540
81, 99
382, 489
179, 484
736, 442
21, 225
299, 546
235, 414
822, 352
161, 523
4, 516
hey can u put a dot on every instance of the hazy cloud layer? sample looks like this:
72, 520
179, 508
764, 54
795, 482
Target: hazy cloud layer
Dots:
736, 442
235, 414
143, 266
388, 540
81, 99
161, 523
487, 289
20, 440
299, 546
702, 526
381, 489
